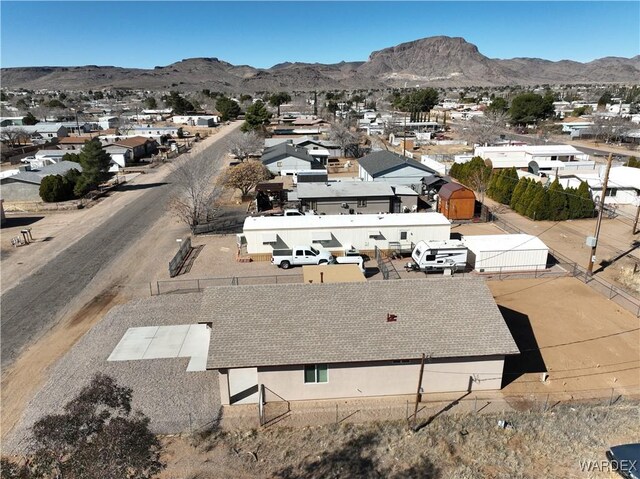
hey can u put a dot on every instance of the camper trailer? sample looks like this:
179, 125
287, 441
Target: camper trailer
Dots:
448, 255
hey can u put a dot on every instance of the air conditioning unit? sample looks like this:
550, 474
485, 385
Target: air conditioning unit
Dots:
345, 205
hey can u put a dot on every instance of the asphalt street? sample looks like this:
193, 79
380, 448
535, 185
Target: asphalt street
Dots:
34, 306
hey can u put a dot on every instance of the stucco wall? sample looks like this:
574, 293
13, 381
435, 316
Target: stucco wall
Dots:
349, 380
19, 191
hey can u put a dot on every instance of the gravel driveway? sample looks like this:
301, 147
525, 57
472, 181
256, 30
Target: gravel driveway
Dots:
175, 400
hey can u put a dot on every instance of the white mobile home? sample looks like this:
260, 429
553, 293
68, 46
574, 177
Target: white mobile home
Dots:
501, 253
336, 232
523, 156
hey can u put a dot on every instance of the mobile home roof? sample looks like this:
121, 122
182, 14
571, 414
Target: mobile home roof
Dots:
344, 221
506, 242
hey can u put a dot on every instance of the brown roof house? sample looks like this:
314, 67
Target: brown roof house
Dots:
346, 340
139, 146
456, 202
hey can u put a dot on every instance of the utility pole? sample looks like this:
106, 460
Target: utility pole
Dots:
594, 244
415, 410
635, 221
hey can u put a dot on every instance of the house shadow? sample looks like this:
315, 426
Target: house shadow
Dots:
529, 360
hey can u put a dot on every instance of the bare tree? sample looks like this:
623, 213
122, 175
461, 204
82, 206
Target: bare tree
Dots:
14, 136
341, 134
479, 181
610, 128
243, 145
485, 129
196, 188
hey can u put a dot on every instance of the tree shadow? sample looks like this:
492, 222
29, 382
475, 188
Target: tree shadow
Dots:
134, 187
356, 458
16, 222
529, 360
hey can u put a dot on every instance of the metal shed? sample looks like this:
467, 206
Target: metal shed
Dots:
508, 252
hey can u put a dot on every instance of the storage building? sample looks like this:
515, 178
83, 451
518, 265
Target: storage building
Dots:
502, 253
336, 232
456, 202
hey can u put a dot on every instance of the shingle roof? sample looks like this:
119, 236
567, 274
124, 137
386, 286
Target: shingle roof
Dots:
447, 190
380, 162
36, 176
284, 150
133, 141
327, 323
345, 189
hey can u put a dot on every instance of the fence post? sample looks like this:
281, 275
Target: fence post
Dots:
158, 286
475, 404
198, 280
406, 414
611, 398
151, 288
546, 403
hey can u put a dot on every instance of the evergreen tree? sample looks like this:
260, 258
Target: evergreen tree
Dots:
509, 182
538, 209
573, 203
518, 191
587, 206
95, 167
557, 202
493, 190
527, 198
256, 117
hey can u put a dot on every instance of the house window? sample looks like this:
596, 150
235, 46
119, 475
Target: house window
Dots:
362, 203
315, 373
403, 235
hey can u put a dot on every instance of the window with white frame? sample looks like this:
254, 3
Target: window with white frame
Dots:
315, 373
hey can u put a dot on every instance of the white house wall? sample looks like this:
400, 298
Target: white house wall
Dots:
356, 236
288, 163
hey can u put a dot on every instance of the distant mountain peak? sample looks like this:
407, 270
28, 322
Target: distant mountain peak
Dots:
431, 61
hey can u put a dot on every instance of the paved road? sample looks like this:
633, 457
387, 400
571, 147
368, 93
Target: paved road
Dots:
34, 306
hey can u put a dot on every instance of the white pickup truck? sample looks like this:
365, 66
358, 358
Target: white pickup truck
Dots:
299, 255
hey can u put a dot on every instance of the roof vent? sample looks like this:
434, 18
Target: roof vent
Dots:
391, 318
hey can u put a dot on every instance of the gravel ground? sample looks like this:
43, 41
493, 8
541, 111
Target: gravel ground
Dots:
175, 400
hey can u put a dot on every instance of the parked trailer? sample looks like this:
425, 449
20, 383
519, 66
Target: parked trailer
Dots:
336, 232
450, 255
508, 252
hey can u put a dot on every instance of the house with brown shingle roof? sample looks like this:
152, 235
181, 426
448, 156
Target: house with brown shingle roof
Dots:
139, 145
347, 340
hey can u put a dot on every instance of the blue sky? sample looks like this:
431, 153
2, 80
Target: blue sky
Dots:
261, 34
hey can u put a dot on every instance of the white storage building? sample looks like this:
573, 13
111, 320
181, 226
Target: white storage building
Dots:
336, 232
508, 252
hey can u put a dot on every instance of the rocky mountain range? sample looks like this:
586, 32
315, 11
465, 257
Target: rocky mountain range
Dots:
434, 61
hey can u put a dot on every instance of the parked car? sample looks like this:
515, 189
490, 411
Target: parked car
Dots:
299, 255
625, 460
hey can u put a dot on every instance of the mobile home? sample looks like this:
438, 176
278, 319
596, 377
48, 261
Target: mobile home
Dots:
336, 232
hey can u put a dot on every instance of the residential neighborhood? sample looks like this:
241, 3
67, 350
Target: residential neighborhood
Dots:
423, 264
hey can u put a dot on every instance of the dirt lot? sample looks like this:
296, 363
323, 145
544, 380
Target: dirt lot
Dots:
539, 445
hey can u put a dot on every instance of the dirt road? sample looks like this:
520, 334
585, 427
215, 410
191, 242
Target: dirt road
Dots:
83, 273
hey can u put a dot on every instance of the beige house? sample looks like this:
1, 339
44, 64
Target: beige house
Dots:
347, 340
